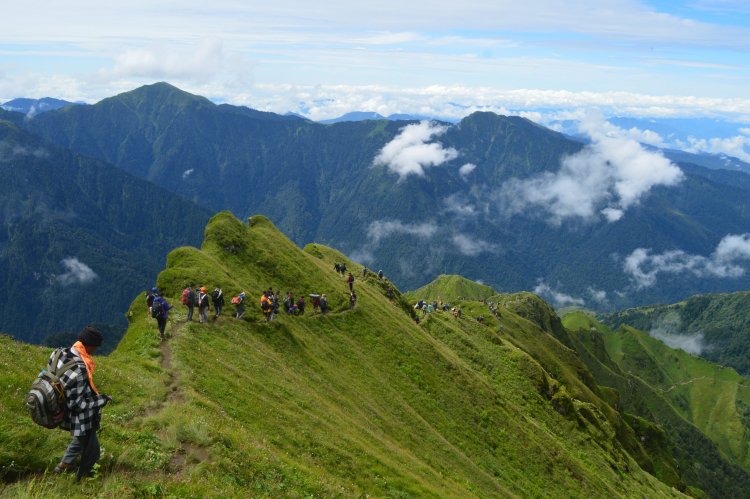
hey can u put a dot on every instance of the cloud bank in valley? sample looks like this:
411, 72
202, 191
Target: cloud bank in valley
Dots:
76, 272
643, 266
381, 229
558, 298
605, 178
412, 153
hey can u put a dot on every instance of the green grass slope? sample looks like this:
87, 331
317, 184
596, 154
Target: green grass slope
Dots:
356, 402
720, 323
451, 288
689, 396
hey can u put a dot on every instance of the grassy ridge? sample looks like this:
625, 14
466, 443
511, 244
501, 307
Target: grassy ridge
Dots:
451, 288
357, 402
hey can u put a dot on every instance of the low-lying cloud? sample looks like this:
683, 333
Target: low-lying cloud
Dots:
466, 170
411, 152
381, 229
605, 178
77, 272
471, 246
558, 298
643, 266
737, 146
693, 343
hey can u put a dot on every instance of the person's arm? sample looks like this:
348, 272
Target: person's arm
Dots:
78, 397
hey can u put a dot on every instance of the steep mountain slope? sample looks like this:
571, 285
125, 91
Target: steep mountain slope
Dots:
688, 396
319, 183
79, 237
356, 402
716, 327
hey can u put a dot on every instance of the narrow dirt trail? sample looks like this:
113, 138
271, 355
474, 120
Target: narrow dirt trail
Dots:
187, 451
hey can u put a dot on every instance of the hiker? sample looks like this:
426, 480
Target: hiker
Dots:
203, 306
83, 403
301, 305
240, 305
288, 301
364, 272
380, 274
350, 282
274, 304
352, 299
160, 311
342, 268
266, 306
323, 304
217, 298
337, 267
189, 300
315, 300
150, 299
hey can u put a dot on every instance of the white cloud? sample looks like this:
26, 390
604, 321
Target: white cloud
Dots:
598, 295
466, 169
381, 229
458, 205
77, 272
737, 146
471, 246
187, 173
644, 267
606, 177
198, 63
8, 150
558, 299
692, 343
409, 153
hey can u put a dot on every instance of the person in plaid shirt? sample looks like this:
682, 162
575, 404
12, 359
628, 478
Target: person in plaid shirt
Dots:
83, 402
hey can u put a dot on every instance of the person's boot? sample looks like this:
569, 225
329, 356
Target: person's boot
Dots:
64, 468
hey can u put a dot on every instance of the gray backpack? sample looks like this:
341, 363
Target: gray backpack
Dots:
46, 399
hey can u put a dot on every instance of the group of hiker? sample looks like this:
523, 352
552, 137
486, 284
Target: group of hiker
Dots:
270, 302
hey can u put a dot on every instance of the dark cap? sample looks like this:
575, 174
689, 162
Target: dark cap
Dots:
90, 336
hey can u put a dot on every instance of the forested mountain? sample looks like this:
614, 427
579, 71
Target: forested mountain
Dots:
80, 237
475, 214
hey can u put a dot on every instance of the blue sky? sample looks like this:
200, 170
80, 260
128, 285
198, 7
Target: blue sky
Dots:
322, 59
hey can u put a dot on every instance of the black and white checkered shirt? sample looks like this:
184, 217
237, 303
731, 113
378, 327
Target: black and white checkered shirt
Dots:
84, 406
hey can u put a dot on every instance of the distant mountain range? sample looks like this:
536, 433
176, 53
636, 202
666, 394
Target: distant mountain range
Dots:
446, 198
32, 107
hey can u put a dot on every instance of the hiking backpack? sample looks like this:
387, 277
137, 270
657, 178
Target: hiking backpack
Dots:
46, 399
157, 309
184, 298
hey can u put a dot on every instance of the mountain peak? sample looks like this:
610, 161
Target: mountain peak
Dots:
160, 94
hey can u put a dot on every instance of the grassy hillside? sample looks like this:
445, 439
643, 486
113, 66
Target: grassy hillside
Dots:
451, 288
356, 402
678, 390
718, 325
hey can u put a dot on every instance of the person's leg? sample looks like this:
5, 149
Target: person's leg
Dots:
162, 321
190, 313
71, 454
